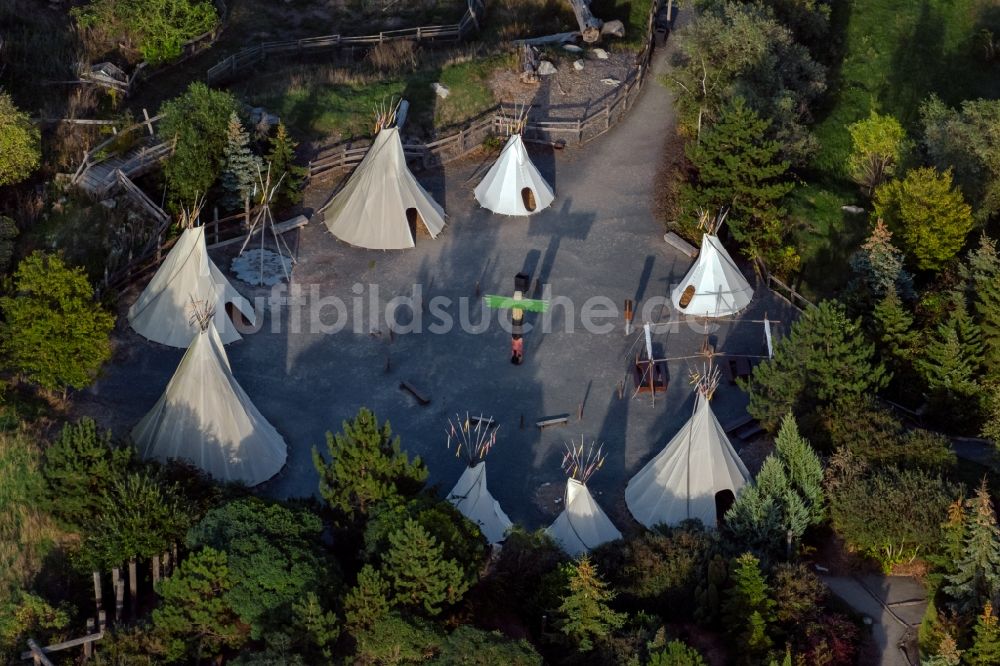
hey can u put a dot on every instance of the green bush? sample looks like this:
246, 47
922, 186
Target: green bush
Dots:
273, 555
396, 640
677, 653
468, 646
892, 515
20, 150
81, 466
54, 333
158, 28
198, 119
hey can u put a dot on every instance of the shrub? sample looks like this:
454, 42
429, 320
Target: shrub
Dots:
273, 555
137, 518
394, 639
889, 514
20, 150
158, 28
662, 567
468, 645
81, 466
677, 653
54, 333
798, 593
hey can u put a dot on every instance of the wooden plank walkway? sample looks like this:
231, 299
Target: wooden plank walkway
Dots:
99, 178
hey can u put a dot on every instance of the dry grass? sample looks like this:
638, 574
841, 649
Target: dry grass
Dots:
26, 533
393, 57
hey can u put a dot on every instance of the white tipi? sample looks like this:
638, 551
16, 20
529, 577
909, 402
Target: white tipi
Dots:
205, 417
582, 525
470, 495
714, 285
682, 480
513, 186
186, 276
382, 199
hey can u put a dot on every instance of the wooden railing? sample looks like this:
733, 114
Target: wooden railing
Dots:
96, 154
230, 67
794, 298
577, 131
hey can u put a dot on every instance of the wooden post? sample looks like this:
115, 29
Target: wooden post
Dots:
579, 131
670, 10
156, 570
88, 647
97, 591
579, 412
149, 125
133, 592
119, 599
102, 620
215, 223
115, 579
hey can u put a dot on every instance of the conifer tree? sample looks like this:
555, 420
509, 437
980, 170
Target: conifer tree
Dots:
739, 170
366, 467
282, 161
823, 359
985, 650
584, 614
897, 341
879, 264
983, 276
241, 166
419, 574
977, 574
991, 423
929, 214
749, 609
756, 522
368, 600
802, 467
773, 482
947, 366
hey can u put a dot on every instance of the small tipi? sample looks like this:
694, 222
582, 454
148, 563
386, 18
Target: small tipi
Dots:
186, 276
582, 525
714, 285
470, 495
513, 186
683, 479
382, 203
205, 417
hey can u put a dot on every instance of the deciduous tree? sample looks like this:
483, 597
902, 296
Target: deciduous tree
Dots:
20, 150
878, 146
53, 332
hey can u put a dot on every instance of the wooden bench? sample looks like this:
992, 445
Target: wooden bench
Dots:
680, 244
545, 422
484, 420
419, 395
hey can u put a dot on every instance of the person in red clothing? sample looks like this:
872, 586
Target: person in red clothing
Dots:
516, 349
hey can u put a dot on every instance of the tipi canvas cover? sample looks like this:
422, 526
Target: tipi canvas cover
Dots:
205, 417
681, 481
582, 525
375, 207
471, 497
714, 287
513, 185
162, 312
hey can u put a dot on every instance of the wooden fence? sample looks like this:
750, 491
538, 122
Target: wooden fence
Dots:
590, 125
794, 298
230, 67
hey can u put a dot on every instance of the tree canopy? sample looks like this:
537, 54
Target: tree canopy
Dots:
20, 150
54, 333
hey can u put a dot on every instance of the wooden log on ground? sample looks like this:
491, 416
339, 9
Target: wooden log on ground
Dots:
529, 64
417, 393
590, 25
546, 421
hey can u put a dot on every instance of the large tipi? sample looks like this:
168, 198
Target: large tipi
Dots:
714, 285
582, 525
382, 202
470, 495
682, 480
205, 417
513, 186
187, 277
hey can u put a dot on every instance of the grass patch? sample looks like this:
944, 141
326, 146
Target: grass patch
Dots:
633, 13
319, 103
897, 52
825, 235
